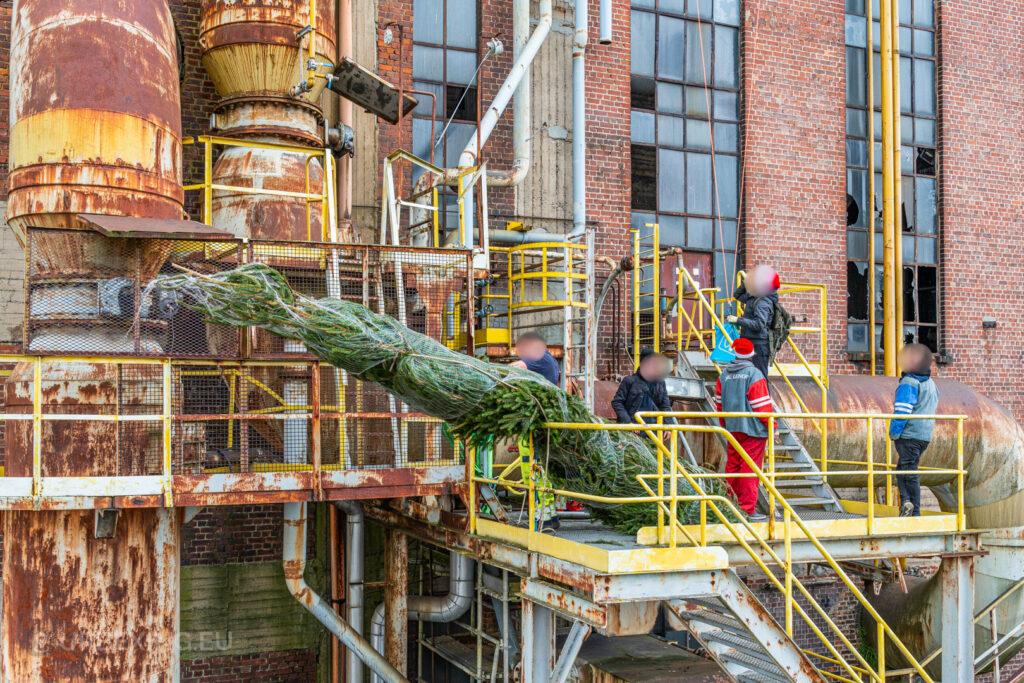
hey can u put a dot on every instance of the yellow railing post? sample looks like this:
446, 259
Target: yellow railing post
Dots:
207, 180
655, 287
771, 476
871, 478
471, 468
659, 454
531, 487
788, 556
961, 517
166, 430
674, 521
889, 496
880, 642
37, 427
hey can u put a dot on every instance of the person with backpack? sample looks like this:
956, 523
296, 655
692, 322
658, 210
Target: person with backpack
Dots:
760, 299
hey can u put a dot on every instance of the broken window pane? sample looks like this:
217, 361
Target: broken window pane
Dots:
927, 295
909, 295
925, 163
641, 93
856, 291
643, 177
458, 105
929, 336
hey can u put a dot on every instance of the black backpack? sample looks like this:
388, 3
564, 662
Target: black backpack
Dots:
778, 330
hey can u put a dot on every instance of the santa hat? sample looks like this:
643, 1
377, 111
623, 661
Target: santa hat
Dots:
765, 280
744, 348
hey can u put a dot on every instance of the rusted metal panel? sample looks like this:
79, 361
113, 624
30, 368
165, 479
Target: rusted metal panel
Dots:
132, 226
369, 91
81, 609
88, 135
396, 598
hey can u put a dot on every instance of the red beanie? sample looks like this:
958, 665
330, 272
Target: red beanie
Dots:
744, 348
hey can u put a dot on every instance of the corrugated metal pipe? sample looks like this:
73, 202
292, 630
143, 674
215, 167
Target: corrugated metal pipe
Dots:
354, 563
579, 121
294, 558
436, 609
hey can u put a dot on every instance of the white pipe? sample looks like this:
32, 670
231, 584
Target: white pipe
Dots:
579, 121
522, 237
294, 560
354, 562
519, 70
433, 608
605, 37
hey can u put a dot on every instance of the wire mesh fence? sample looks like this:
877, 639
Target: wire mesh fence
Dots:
240, 400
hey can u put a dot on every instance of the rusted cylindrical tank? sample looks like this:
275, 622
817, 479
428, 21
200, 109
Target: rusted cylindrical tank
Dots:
256, 52
95, 112
79, 608
267, 217
252, 47
993, 493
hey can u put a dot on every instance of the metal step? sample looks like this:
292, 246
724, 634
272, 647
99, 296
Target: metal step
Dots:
717, 620
801, 483
754, 664
741, 643
758, 677
800, 500
710, 604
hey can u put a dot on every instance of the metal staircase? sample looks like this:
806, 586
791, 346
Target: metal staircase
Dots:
695, 374
737, 632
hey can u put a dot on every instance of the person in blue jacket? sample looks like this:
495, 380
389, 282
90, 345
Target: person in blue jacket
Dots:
915, 395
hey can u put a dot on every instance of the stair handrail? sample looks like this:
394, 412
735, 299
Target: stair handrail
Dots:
883, 628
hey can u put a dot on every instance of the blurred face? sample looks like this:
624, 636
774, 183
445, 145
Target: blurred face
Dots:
531, 349
655, 369
912, 360
759, 281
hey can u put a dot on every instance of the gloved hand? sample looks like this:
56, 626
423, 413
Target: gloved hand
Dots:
731, 319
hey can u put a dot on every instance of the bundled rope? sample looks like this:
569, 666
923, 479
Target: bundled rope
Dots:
481, 401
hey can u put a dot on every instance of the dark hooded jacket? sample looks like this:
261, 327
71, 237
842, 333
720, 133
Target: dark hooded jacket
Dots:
757, 314
631, 395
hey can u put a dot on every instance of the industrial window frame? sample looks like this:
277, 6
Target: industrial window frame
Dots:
679, 224
919, 32
449, 93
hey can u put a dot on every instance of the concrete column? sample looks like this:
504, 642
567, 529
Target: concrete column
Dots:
958, 618
396, 596
538, 643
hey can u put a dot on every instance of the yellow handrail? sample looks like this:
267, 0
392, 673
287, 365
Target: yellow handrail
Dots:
646, 256
667, 504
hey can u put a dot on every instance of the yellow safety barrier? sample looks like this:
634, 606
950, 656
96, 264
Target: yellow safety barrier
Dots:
323, 197
646, 254
671, 530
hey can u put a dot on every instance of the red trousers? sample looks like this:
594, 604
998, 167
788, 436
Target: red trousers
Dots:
745, 488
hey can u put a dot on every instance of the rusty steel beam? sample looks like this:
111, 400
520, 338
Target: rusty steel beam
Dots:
396, 595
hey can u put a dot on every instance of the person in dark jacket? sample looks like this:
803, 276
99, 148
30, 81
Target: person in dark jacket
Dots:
535, 357
644, 390
758, 294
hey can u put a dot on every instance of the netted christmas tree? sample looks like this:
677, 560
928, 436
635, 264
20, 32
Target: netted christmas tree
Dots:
481, 401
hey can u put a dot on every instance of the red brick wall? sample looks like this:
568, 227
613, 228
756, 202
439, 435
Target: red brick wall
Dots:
794, 167
981, 92
272, 667
220, 535
608, 173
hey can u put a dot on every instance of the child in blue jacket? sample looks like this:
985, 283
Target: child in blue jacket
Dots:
915, 395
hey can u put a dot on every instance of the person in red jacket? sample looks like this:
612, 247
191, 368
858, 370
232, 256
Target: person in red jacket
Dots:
742, 388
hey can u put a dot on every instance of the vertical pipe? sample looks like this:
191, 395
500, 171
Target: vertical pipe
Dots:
957, 618
294, 559
605, 36
897, 177
354, 570
888, 199
345, 118
872, 293
579, 120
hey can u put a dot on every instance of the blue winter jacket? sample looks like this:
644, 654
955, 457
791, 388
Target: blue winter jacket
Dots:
916, 395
